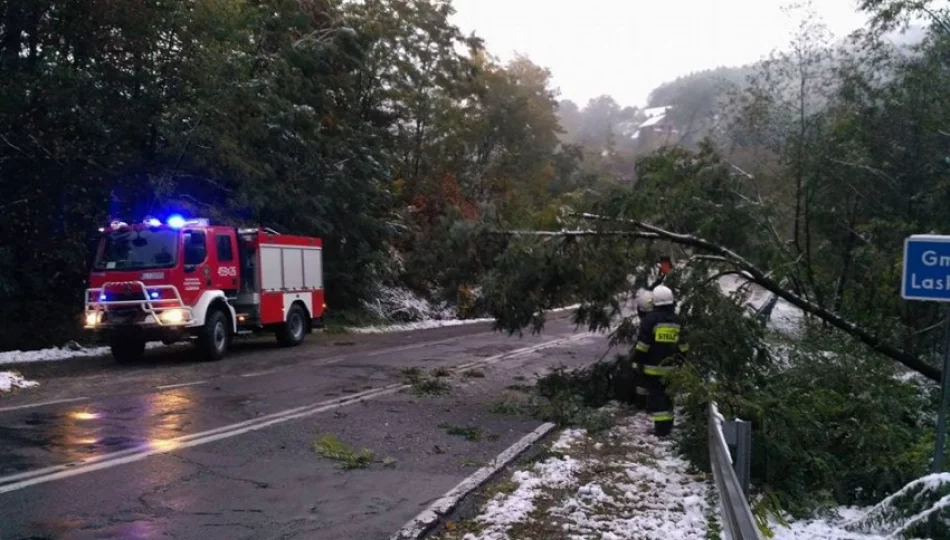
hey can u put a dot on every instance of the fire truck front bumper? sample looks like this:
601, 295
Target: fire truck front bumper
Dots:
170, 319
138, 313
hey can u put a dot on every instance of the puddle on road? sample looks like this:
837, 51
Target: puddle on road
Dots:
85, 431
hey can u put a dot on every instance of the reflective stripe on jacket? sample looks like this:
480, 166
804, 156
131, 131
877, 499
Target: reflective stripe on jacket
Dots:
660, 337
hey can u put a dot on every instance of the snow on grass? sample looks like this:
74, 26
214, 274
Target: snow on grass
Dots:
833, 528
619, 484
413, 326
429, 324
11, 379
914, 511
69, 351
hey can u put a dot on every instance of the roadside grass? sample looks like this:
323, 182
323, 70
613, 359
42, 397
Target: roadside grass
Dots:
474, 374
337, 321
714, 526
598, 491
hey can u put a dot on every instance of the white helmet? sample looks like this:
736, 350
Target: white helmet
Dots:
663, 296
645, 300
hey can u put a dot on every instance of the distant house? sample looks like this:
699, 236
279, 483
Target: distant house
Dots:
656, 131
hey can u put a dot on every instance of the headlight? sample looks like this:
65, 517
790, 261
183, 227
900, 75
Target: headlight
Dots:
174, 316
93, 318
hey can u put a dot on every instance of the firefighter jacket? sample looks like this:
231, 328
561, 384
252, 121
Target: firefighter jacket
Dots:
660, 342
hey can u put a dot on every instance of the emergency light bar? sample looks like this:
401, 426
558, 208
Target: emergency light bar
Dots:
175, 221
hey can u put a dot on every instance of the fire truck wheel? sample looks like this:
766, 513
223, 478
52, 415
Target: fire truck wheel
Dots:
127, 350
295, 329
214, 339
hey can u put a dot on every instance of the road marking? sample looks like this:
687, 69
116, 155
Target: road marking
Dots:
519, 352
259, 373
179, 385
423, 523
420, 345
59, 472
43, 404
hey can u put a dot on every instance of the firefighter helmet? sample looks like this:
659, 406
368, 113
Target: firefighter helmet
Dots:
644, 300
663, 296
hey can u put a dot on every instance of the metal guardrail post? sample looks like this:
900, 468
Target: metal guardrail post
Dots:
738, 522
738, 433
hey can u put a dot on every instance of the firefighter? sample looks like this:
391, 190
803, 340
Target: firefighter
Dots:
659, 344
644, 307
627, 385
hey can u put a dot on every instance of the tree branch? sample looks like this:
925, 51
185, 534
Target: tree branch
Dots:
580, 233
763, 280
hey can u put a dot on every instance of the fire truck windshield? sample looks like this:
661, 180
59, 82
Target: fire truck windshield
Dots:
135, 249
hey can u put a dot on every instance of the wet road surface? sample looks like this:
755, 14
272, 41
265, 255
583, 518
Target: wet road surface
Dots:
179, 449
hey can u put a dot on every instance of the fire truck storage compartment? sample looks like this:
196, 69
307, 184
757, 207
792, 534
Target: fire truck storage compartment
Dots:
289, 268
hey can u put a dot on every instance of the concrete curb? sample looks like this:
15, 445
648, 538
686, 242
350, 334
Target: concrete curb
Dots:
423, 523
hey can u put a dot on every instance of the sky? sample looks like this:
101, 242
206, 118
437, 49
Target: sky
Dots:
626, 48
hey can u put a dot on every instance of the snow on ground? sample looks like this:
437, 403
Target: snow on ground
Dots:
825, 529
429, 323
418, 325
623, 483
919, 508
11, 379
71, 350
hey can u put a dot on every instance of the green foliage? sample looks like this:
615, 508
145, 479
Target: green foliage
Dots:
372, 124
574, 397
427, 384
469, 433
412, 374
507, 407
330, 447
811, 414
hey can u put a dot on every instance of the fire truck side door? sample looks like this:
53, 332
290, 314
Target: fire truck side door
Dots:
227, 275
196, 258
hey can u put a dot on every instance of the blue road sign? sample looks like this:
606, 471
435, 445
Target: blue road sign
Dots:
926, 268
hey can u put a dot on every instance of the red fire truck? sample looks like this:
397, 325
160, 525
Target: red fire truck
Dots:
191, 280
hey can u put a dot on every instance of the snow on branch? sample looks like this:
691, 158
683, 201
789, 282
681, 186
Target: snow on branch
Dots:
762, 279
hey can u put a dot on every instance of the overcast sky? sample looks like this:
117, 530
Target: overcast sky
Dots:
626, 48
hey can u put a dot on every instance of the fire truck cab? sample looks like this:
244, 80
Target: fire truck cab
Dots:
191, 280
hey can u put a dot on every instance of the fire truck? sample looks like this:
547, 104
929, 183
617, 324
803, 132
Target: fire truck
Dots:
189, 279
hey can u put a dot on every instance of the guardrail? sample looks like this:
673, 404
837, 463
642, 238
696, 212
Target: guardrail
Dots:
732, 475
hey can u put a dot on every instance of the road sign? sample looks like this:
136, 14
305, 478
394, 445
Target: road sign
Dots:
926, 276
926, 268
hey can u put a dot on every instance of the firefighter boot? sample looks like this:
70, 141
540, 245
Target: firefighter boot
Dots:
660, 406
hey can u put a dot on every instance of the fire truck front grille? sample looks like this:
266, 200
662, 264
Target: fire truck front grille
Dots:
126, 297
126, 314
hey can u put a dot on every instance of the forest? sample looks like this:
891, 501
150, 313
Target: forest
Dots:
426, 164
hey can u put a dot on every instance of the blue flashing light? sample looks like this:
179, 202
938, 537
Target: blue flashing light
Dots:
153, 295
102, 297
176, 221
152, 222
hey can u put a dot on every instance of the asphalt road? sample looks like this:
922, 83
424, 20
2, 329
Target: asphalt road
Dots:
181, 449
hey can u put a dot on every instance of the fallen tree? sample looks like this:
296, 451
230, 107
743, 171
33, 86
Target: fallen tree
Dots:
740, 265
